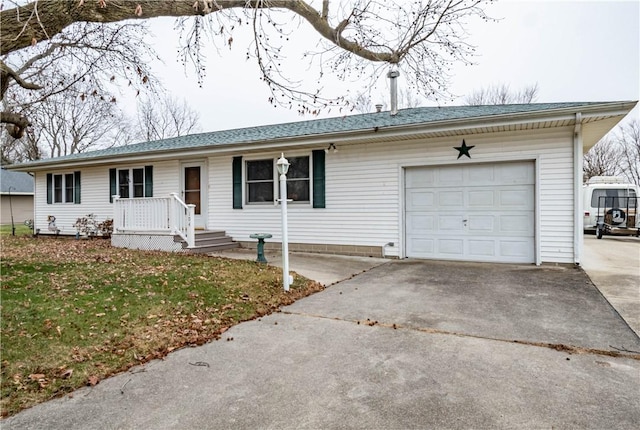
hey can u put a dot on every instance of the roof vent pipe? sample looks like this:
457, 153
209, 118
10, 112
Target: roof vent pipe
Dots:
379, 108
393, 74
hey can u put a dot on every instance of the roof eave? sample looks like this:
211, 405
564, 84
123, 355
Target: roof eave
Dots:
608, 109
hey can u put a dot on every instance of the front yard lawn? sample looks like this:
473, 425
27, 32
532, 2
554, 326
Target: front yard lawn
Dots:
21, 229
76, 311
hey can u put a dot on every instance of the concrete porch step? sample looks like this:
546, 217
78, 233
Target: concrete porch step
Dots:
205, 249
209, 241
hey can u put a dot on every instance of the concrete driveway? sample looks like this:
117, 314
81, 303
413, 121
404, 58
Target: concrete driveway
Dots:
613, 264
407, 344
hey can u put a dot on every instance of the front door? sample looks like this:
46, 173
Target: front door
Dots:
193, 190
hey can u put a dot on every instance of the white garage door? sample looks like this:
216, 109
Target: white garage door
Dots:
481, 212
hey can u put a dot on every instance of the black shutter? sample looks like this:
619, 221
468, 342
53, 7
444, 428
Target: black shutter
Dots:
49, 188
76, 187
318, 178
113, 189
148, 181
237, 182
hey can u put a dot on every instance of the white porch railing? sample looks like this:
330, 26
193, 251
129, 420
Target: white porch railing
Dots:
157, 214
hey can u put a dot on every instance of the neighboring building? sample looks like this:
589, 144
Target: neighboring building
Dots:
479, 183
17, 197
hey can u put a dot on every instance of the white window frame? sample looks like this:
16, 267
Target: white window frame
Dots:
131, 184
63, 188
247, 182
275, 180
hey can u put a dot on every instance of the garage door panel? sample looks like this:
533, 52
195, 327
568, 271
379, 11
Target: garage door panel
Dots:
451, 223
520, 198
421, 223
422, 246
516, 224
451, 247
479, 213
482, 223
421, 178
420, 199
448, 176
482, 248
516, 173
516, 250
481, 199
449, 198
482, 175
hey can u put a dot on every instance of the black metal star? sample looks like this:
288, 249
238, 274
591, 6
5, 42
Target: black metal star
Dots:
464, 149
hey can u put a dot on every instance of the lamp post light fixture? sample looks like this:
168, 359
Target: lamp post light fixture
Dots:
283, 167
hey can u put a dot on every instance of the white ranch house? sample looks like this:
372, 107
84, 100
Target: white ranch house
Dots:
477, 183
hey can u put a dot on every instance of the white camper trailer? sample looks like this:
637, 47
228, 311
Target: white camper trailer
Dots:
610, 202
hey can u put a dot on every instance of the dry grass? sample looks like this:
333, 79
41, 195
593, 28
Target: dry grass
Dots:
77, 311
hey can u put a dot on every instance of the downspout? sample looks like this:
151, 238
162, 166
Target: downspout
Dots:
578, 218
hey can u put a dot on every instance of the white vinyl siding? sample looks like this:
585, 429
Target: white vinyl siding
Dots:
364, 205
95, 194
364, 191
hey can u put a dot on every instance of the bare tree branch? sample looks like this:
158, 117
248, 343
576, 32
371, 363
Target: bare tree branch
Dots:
7, 72
502, 94
161, 118
629, 140
617, 154
49, 17
88, 55
15, 123
422, 38
601, 160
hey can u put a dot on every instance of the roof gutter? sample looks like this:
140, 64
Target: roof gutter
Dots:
15, 193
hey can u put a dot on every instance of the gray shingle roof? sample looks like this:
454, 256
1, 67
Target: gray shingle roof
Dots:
19, 182
319, 127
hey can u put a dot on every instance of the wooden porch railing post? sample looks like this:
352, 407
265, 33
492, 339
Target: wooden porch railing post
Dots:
191, 225
116, 215
173, 213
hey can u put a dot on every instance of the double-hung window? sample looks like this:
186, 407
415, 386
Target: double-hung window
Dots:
63, 188
262, 185
131, 182
256, 181
298, 179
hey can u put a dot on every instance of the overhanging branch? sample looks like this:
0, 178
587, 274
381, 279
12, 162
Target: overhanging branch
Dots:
7, 72
15, 123
53, 16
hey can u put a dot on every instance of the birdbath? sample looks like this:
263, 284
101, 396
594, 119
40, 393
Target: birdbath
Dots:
261, 237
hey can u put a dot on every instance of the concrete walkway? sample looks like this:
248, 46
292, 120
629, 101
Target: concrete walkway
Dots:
324, 268
406, 344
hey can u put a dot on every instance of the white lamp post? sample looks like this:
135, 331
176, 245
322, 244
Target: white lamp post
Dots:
283, 168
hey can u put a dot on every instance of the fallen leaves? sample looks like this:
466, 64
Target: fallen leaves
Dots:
40, 378
82, 310
93, 380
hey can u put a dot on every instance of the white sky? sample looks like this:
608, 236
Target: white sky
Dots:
573, 50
